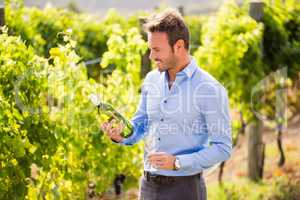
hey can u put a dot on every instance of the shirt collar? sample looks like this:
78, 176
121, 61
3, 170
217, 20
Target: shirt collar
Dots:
190, 68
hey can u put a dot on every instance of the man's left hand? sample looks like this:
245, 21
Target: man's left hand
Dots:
162, 160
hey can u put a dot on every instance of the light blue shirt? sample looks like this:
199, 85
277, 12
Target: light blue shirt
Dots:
190, 120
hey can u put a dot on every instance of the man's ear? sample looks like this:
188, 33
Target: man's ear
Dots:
179, 44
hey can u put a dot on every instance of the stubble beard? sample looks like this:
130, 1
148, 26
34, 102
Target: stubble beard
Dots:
168, 64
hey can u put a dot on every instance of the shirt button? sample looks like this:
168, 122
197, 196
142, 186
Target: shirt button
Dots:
165, 101
159, 138
161, 119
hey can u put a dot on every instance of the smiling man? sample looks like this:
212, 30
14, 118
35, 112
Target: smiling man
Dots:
183, 111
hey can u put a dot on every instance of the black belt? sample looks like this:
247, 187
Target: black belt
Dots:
160, 179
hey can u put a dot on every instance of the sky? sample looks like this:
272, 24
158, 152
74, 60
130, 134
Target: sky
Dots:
132, 6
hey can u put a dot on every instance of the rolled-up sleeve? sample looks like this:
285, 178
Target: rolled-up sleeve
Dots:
139, 120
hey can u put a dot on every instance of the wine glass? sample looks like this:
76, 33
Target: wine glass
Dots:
150, 146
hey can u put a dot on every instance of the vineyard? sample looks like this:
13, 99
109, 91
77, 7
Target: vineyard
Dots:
52, 60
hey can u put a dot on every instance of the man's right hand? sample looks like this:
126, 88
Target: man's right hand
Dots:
113, 133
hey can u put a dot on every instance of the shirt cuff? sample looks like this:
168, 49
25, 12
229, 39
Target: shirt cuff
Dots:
126, 141
184, 161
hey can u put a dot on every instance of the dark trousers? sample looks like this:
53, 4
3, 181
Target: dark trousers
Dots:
183, 188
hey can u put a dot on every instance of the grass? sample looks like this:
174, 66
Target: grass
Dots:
279, 188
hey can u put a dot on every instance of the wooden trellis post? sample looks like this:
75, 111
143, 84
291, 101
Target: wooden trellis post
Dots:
256, 146
2, 17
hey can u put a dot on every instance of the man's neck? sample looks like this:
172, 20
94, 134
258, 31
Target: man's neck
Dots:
180, 66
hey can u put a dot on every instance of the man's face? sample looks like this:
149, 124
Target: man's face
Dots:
160, 51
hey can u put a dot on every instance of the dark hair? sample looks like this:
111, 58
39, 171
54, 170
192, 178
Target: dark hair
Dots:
171, 22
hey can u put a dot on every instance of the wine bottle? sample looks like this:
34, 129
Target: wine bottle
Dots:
111, 113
